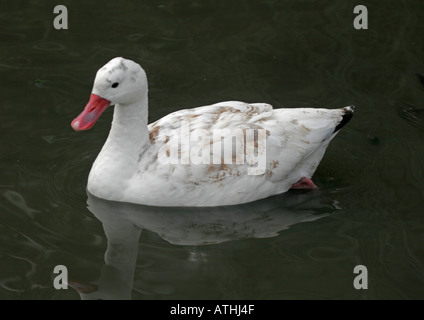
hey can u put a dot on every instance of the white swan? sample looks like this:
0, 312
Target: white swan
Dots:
222, 154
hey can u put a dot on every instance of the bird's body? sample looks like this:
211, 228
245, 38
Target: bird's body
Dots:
222, 154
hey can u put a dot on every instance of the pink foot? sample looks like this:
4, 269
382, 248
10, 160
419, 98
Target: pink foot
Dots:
304, 183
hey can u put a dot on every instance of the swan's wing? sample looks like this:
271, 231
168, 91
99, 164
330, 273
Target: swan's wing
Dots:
211, 139
209, 144
299, 137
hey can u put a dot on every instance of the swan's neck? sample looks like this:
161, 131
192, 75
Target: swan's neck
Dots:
129, 132
128, 139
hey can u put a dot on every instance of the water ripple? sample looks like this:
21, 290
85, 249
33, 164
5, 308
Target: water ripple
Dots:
412, 114
49, 46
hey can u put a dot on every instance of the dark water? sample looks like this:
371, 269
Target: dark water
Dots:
369, 208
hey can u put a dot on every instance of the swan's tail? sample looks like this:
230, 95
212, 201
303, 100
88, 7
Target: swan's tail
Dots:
348, 114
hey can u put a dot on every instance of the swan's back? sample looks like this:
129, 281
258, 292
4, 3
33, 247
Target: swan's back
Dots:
288, 144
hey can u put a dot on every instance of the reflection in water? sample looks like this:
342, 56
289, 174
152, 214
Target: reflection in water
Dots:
18, 200
123, 222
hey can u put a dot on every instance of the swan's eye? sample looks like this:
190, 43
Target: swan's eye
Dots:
115, 85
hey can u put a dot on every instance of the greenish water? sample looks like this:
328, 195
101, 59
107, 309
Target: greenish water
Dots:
300, 245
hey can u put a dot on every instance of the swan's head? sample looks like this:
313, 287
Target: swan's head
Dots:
120, 81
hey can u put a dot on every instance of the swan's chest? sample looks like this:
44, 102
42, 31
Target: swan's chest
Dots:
109, 175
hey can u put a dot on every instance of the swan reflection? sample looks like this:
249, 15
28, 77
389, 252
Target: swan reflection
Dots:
123, 223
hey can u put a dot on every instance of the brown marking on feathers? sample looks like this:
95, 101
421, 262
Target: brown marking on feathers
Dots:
154, 133
224, 167
273, 164
269, 174
211, 168
305, 127
227, 109
219, 177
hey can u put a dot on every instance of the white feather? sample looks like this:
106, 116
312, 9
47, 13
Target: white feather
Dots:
132, 165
